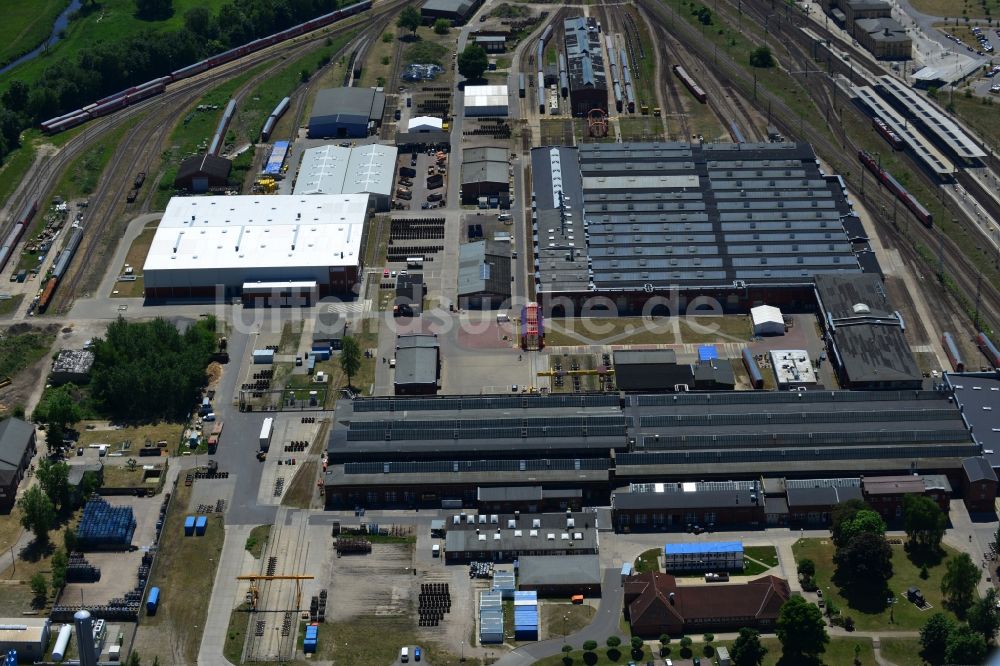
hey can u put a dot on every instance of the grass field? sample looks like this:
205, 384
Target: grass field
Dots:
10, 305
257, 541
25, 25
958, 8
185, 567
112, 20
303, 487
378, 58
120, 476
14, 166
22, 345
765, 554
983, 115
565, 619
641, 128
874, 614
138, 435
354, 643
82, 175
648, 561
902, 651
638, 330
135, 258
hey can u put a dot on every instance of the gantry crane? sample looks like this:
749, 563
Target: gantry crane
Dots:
253, 578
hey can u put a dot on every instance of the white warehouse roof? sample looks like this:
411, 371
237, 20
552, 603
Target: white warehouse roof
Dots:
267, 231
424, 124
336, 170
767, 320
487, 98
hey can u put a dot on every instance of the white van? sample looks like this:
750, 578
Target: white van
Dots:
404, 655
436, 550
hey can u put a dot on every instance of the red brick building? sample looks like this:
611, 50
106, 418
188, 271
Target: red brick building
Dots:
979, 485
656, 605
885, 493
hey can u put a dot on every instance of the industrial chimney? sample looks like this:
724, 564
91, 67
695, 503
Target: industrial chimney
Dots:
85, 638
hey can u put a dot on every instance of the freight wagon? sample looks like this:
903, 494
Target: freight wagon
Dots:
951, 349
690, 83
21, 223
146, 90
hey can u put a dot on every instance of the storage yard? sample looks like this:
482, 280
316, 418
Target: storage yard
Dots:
509, 357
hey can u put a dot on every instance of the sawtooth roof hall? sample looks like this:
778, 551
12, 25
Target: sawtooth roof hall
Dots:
638, 219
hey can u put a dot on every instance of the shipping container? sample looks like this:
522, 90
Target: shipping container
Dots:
189, 526
200, 524
263, 356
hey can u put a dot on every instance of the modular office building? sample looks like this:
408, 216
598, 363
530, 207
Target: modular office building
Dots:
255, 246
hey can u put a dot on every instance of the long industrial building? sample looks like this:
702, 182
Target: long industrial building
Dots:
588, 84
294, 248
419, 451
333, 169
742, 223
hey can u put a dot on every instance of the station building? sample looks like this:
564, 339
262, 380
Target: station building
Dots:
290, 248
884, 38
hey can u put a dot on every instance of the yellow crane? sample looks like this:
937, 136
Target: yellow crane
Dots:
253, 578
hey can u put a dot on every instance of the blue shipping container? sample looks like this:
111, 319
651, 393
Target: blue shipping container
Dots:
189, 526
200, 523
153, 601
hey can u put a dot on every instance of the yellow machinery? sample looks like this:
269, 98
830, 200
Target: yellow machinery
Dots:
253, 593
265, 186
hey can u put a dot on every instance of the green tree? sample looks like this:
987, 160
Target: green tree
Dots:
442, 26
472, 62
15, 97
686, 643
934, 637
704, 15
924, 522
387, 38
566, 649
965, 646
864, 564
409, 19
984, 618
959, 583
39, 588
69, 540
200, 21
864, 521
807, 567
664, 642
134, 660
589, 646
843, 514
801, 630
761, 58
54, 479
60, 563
708, 638
747, 650
636, 643
58, 411
37, 513
153, 10
613, 642
350, 357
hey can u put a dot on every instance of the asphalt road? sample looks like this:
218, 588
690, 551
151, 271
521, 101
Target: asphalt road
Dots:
605, 624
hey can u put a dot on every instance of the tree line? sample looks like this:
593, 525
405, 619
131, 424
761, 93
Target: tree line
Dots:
108, 67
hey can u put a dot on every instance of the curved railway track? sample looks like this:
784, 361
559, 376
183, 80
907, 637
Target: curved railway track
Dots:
140, 148
840, 157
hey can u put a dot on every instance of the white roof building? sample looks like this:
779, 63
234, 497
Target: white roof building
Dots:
486, 101
367, 169
767, 320
29, 636
792, 368
424, 124
211, 246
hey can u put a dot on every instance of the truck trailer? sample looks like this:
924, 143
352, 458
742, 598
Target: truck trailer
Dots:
265, 433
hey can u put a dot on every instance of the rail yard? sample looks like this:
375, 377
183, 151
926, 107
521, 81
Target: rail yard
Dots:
470, 331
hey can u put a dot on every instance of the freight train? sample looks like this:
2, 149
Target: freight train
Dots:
989, 350
120, 100
20, 225
59, 269
882, 128
898, 190
692, 86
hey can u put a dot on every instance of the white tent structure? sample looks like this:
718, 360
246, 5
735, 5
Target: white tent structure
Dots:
767, 320
425, 124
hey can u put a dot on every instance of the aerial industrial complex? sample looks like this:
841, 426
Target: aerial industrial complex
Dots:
488, 332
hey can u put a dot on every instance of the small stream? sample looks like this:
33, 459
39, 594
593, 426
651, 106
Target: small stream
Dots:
62, 21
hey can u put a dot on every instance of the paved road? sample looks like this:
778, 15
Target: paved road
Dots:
605, 624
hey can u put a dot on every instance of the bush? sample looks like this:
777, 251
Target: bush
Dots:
807, 567
809, 584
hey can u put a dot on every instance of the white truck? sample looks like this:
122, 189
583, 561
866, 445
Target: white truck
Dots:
265, 433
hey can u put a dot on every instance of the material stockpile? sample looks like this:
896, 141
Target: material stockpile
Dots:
105, 527
526, 616
490, 617
79, 570
434, 601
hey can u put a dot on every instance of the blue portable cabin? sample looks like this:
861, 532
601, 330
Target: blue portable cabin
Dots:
153, 601
189, 526
200, 523
707, 353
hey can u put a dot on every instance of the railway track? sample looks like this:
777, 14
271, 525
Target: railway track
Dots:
149, 135
839, 157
